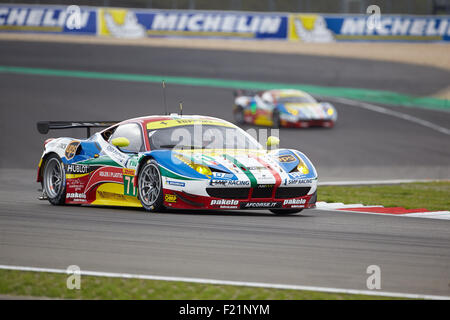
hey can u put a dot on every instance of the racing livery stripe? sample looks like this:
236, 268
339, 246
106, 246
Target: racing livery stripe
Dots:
244, 169
269, 167
184, 122
101, 161
168, 173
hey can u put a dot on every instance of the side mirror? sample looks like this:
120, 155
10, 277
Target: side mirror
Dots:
272, 141
120, 142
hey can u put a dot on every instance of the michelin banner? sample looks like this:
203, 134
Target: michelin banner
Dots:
140, 23
327, 28
125, 23
48, 19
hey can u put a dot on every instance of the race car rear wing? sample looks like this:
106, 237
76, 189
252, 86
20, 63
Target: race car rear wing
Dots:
45, 126
244, 92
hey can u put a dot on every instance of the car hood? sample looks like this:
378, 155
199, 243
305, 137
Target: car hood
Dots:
255, 166
307, 110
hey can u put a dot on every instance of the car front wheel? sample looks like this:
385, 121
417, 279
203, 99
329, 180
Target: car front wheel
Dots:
276, 122
238, 113
150, 187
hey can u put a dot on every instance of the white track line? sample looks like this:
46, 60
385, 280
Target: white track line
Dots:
232, 283
393, 113
364, 182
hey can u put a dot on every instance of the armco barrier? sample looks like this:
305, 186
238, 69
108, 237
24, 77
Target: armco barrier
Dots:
137, 23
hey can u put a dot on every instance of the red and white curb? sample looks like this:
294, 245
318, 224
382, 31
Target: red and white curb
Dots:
380, 210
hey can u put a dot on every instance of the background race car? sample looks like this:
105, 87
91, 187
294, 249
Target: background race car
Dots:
283, 108
183, 162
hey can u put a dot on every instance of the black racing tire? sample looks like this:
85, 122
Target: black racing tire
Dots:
276, 122
238, 114
283, 212
54, 180
150, 189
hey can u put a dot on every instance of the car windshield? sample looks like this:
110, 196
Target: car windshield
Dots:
201, 137
303, 99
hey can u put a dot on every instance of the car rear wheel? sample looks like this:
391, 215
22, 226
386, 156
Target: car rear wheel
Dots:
150, 187
239, 115
54, 180
285, 211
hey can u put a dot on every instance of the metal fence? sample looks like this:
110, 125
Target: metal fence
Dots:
322, 6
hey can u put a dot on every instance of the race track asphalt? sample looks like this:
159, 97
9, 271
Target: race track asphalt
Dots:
315, 248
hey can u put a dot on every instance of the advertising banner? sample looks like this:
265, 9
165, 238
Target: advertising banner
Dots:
127, 23
48, 19
327, 28
141, 23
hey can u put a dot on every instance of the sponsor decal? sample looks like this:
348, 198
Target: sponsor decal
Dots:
77, 168
297, 174
170, 198
256, 168
265, 185
76, 195
129, 172
222, 175
76, 185
116, 155
176, 183
224, 202
299, 181
294, 201
71, 149
109, 174
286, 158
309, 28
255, 205
229, 183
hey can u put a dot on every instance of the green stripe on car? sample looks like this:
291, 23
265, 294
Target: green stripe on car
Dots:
244, 169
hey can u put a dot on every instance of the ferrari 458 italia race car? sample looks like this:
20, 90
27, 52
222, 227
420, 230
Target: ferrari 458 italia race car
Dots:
283, 108
180, 162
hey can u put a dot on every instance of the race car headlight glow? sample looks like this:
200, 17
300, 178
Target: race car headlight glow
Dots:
202, 169
330, 111
292, 111
303, 168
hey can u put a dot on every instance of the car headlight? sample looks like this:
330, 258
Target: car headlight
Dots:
303, 168
292, 111
330, 111
202, 169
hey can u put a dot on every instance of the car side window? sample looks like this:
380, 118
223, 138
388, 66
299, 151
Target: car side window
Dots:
133, 133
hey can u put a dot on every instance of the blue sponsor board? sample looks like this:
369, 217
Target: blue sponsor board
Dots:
137, 23
174, 23
390, 28
47, 19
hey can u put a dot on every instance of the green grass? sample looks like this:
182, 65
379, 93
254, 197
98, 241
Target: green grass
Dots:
434, 196
53, 285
